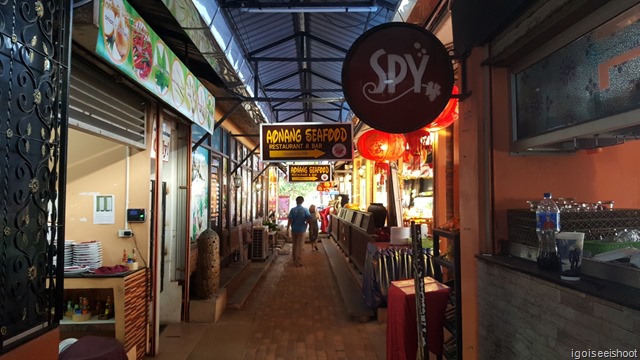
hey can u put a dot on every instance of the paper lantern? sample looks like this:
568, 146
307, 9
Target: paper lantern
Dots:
417, 141
381, 167
381, 146
448, 116
418, 147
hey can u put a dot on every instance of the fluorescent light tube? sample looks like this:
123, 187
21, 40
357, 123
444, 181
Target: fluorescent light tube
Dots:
315, 9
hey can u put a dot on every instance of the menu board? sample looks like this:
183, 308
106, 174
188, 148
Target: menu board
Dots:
127, 42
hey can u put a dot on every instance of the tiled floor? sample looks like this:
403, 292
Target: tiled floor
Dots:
294, 313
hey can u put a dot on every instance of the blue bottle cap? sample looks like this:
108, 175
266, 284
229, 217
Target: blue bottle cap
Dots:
547, 195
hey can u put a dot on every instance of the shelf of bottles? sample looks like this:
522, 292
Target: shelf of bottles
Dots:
110, 303
88, 306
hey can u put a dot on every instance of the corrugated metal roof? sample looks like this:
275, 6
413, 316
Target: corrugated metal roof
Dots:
279, 43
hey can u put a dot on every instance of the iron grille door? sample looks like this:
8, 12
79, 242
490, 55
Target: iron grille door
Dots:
34, 77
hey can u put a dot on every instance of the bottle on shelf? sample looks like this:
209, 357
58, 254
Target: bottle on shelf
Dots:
134, 257
85, 306
125, 257
107, 308
547, 226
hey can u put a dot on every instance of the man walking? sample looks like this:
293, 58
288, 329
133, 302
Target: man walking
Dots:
297, 224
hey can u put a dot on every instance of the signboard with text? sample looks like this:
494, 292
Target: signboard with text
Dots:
128, 43
310, 173
306, 142
397, 77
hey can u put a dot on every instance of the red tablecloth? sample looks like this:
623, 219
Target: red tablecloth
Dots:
402, 330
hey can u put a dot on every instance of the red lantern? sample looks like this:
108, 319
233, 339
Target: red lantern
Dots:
448, 116
407, 156
417, 141
381, 146
417, 147
381, 167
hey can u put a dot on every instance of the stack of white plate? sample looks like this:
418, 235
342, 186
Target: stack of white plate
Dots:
88, 254
70, 270
68, 252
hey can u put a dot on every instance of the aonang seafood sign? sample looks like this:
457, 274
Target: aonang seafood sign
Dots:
306, 141
313, 173
126, 41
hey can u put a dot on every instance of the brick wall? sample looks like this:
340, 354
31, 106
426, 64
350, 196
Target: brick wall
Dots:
523, 317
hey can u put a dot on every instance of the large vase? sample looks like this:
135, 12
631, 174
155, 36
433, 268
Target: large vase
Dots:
379, 213
207, 272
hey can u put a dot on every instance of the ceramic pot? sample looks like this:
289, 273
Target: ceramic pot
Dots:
379, 213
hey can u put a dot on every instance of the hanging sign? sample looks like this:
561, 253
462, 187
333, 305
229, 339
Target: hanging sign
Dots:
397, 77
306, 141
127, 42
306, 173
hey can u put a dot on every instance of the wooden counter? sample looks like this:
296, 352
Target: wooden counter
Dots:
129, 303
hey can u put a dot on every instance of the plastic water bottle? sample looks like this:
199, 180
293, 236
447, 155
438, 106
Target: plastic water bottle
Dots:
547, 226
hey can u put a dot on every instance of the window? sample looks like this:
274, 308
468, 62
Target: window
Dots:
593, 77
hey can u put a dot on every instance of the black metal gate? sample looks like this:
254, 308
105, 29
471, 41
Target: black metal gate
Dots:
34, 76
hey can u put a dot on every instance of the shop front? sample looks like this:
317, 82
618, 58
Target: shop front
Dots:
137, 187
107, 173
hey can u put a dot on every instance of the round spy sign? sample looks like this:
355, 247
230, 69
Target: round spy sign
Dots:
397, 77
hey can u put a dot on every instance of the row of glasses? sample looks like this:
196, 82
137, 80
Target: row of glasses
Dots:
586, 206
570, 205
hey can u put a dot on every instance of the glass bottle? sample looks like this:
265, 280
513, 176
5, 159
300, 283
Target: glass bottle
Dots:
547, 226
107, 307
85, 306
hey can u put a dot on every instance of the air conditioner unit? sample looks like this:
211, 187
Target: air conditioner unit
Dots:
260, 243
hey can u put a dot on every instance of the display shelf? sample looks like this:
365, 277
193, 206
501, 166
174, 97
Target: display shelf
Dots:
450, 320
93, 321
129, 294
453, 315
444, 262
449, 348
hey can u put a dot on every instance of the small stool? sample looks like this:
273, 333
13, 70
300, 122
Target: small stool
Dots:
94, 348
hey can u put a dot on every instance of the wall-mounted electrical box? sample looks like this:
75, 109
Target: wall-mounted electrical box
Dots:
135, 215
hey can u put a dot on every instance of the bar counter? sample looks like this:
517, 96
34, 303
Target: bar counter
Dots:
527, 313
603, 289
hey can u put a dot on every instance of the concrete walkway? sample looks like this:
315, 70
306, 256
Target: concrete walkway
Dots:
293, 313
